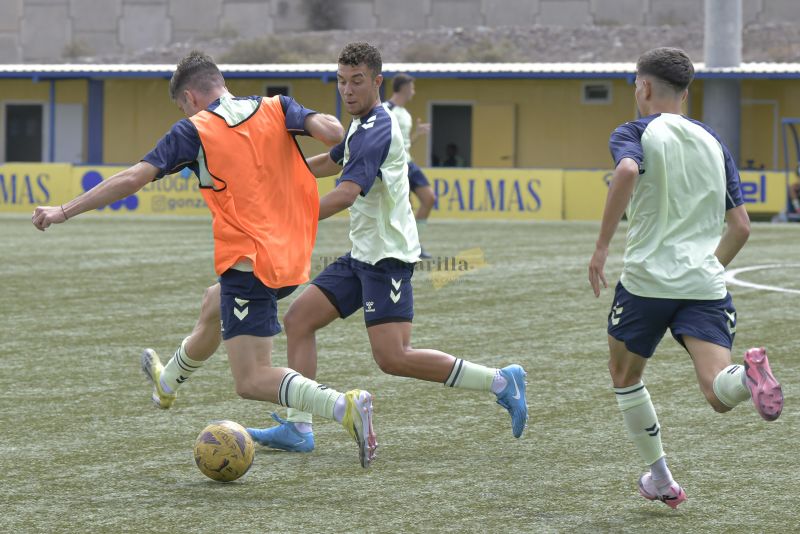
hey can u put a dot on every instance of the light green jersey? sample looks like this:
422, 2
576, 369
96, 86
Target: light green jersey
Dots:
382, 222
676, 215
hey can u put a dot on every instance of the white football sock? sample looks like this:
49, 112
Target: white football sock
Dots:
339, 408
178, 369
661, 475
468, 375
499, 382
729, 386
641, 421
302, 420
304, 394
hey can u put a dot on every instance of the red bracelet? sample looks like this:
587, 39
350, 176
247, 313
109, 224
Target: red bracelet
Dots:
64, 212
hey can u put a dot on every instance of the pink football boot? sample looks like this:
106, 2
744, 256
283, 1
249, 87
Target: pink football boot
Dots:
672, 498
764, 389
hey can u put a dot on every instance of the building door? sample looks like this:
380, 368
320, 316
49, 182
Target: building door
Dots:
69, 136
493, 135
759, 138
24, 139
451, 135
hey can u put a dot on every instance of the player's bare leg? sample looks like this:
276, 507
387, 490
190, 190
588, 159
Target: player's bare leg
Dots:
198, 347
255, 379
309, 312
206, 336
392, 351
726, 385
709, 361
427, 198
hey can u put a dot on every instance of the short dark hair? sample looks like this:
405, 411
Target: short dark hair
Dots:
670, 65
354, 54
401, 80
198, 71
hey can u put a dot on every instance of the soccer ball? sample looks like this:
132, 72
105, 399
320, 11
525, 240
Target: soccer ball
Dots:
224, 451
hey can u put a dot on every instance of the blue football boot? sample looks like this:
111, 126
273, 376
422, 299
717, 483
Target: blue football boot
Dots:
285, 437
512, 398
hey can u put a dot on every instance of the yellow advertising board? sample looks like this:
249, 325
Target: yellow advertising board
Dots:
462, 193
585, 193
174, 194
23, 186
764, 192
466, 193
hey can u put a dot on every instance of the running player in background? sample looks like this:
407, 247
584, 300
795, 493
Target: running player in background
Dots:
403, 91
680, 186
376, 274
261, 195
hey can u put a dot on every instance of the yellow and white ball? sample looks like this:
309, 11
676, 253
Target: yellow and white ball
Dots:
224, 451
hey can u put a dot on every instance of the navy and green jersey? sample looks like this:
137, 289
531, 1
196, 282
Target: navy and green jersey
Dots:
676, 215
373, 156
181, 146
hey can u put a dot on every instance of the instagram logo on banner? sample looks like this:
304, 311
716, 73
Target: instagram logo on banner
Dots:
93, 178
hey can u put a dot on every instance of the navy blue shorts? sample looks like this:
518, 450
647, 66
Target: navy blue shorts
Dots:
383, 290
416, 178
247, 306
640, 322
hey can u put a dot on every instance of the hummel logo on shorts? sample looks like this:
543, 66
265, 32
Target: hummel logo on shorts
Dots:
616, 314
396, 285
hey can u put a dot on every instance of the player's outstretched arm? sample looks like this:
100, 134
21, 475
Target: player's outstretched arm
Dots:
619, 194
340, 198
117, 187
737, 231
325, 128
423, 128
322, 165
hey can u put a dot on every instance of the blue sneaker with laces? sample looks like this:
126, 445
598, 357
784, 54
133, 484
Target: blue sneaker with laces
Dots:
285, 437
513, 399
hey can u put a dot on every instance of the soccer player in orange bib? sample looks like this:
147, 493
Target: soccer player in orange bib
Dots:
265, 206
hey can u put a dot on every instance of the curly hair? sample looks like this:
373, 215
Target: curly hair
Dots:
198, 71
354, 54
670, 65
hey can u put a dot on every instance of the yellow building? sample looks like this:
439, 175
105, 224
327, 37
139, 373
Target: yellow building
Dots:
555, 116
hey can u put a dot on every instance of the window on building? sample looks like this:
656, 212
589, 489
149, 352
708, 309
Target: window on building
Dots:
24, 132
596, 93
272, 90
451, 135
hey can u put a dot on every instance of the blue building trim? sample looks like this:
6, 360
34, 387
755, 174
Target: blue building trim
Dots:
536, 74
96, 92
51, 149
